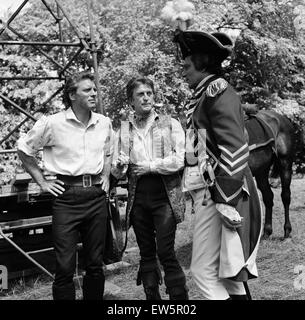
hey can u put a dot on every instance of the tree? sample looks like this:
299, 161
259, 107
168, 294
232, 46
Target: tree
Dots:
267, 67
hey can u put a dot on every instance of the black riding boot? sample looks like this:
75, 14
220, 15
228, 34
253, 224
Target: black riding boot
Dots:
93, 288
178, 293
63, 293
152, 293
151, 281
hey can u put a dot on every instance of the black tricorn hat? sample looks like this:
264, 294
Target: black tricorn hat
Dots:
217, 43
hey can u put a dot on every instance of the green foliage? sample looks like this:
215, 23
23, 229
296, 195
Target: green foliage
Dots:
138, 44
269, 62
267, 66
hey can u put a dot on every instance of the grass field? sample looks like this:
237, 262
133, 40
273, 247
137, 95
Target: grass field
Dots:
277, 261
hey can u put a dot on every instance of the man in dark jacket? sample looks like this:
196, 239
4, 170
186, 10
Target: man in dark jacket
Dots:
227, 208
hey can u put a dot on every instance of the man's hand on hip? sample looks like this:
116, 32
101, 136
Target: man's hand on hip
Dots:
105, 183
54, 187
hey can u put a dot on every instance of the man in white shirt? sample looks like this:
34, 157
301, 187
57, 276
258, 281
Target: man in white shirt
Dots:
76, 149
150, 149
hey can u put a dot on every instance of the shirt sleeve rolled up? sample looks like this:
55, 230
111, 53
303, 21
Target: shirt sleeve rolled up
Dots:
38, 137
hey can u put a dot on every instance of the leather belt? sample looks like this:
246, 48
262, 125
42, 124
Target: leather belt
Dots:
86, 180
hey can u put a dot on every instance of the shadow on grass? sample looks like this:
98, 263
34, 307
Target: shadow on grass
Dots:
273, 238
184, 255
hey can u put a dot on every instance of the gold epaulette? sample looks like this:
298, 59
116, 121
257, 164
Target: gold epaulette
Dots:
216, 87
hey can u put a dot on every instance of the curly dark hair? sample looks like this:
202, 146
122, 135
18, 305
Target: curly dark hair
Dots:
71, 85
135, 83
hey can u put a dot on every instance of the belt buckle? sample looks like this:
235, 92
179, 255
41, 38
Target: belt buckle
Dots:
87, 181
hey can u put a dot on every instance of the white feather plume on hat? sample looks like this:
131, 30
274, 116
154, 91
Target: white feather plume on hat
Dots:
178, 13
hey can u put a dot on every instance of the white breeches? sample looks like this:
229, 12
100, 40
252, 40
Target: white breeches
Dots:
206, 251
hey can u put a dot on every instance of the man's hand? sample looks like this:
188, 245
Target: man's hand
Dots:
141, 168
54, 187
230, 224
122, 161
229, 216
105, 183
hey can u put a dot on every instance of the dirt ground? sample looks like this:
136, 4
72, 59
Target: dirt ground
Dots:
281, 263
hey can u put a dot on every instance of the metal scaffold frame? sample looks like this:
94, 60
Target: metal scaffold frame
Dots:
83, 44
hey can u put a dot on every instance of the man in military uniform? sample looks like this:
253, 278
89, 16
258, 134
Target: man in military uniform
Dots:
150, 149
227, 208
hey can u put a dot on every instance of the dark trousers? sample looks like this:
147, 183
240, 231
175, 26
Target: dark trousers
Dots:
78, 214
155, 229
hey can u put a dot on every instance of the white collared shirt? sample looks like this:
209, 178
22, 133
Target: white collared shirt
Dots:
70, 147
144, 151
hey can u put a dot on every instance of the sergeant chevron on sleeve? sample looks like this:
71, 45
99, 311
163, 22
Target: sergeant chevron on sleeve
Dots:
226, 204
